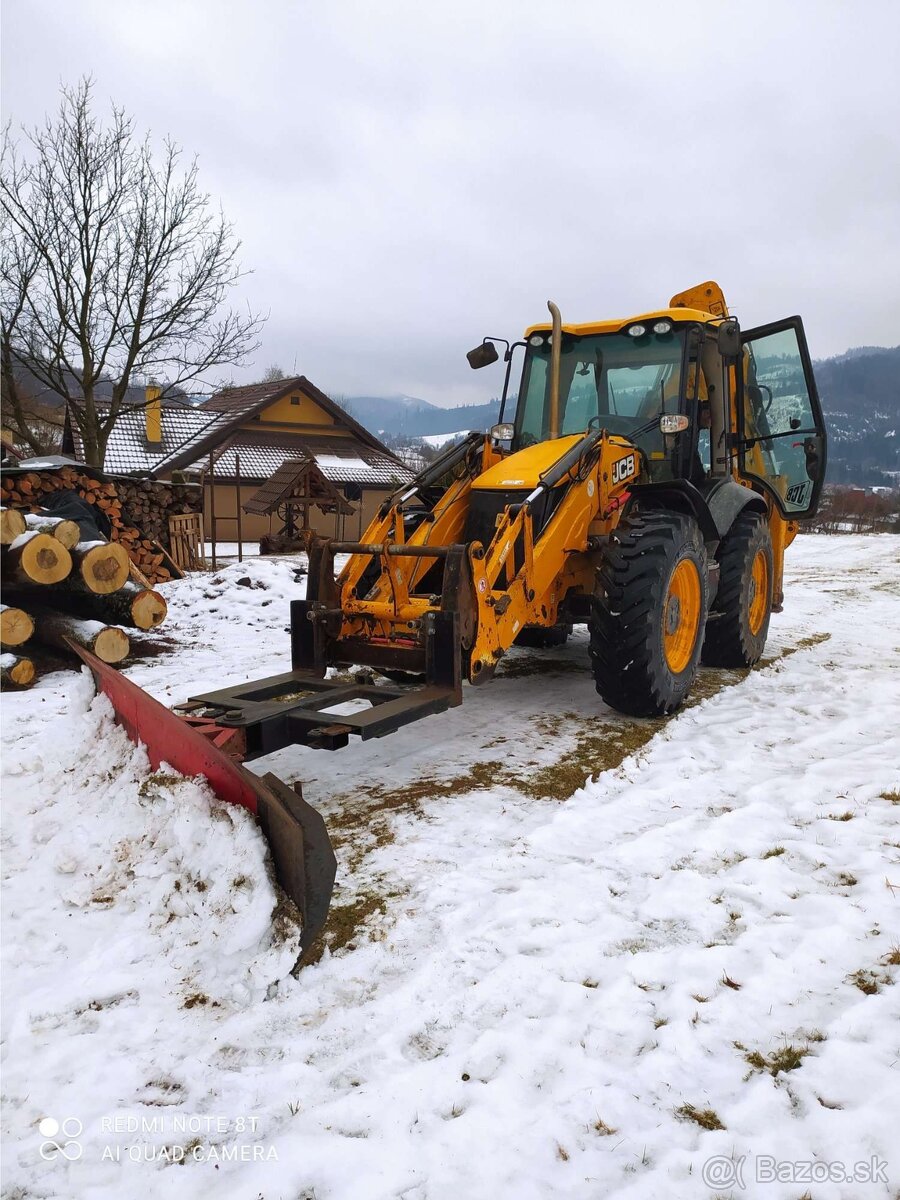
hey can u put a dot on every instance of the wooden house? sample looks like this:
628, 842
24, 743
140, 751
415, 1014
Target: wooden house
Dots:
237, 440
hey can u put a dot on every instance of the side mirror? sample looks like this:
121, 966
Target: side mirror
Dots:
673, 423
729, 339
482, 356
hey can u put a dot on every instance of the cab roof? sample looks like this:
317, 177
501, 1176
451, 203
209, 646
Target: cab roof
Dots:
703, 304
676, 315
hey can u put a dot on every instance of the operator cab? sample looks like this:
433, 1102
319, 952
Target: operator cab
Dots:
701, 399
622, 382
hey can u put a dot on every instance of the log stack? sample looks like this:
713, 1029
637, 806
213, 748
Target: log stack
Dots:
138, 510
55, 593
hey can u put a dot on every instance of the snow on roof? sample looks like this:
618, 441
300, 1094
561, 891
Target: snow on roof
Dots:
128, 450
340, 459
349, 463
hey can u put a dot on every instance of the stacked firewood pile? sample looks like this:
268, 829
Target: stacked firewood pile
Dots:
137, 510
62, 583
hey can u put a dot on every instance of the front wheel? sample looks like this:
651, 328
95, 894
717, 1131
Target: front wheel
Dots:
739, 620
648, 613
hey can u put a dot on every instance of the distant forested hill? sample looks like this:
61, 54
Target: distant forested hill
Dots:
860, 394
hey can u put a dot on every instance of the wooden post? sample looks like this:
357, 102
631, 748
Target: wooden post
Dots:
212, 507
237, 489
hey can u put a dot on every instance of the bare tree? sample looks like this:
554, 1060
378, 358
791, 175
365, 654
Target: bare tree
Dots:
115, 268
273, 374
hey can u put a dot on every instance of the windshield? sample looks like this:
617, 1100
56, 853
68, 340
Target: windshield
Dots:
619, 381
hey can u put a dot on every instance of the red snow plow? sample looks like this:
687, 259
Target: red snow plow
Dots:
195, 745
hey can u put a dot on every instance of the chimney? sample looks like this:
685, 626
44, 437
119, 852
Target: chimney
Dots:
153, 416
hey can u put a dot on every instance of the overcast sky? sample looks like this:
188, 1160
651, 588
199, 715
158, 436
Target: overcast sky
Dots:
407, 177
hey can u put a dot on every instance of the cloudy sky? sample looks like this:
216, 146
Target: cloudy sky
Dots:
408, 176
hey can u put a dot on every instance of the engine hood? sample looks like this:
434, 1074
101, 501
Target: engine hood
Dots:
524, 468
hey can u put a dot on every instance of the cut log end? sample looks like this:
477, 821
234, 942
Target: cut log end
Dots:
103, 568
16, 626
63, 530
12, 523
148, 609
108, 642
112, 645
16, 672
41, 559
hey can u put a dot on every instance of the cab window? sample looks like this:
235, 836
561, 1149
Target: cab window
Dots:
781, 432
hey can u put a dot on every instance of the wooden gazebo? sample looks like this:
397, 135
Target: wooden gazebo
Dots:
297, 486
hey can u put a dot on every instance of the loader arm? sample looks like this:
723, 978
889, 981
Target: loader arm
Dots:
448, 595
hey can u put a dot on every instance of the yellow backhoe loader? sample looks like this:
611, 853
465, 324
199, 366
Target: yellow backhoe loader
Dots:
652, 477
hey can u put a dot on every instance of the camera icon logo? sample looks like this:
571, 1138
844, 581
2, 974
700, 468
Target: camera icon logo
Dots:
61, 1139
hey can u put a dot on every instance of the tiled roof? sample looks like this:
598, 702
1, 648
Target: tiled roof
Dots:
190, 434
128, 450
340, 459
233, 399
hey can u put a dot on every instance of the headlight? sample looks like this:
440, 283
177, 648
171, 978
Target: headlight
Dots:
536, 339
503, 433
636, 330
673, 424
662, 327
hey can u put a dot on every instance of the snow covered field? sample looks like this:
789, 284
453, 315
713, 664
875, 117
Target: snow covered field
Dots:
659, 984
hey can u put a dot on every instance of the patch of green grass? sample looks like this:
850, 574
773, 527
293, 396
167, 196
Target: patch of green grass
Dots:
706, 1118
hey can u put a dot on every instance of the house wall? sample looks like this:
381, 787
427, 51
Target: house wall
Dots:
307, 412
253, 526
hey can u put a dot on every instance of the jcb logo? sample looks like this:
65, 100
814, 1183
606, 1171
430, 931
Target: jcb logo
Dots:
623, 469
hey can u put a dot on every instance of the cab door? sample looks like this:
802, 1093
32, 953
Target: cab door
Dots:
780, 429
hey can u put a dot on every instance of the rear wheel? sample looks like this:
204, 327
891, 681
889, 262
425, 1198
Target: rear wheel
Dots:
648, 613
739, 617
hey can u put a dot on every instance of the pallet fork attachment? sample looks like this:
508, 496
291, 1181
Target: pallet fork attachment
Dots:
302, 854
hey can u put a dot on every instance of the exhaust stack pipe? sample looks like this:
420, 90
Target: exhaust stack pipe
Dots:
555, 351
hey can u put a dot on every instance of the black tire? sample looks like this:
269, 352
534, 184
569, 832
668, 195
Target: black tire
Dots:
635, 615
738, 625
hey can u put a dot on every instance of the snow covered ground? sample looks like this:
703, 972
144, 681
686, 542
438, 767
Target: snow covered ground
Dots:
661, 982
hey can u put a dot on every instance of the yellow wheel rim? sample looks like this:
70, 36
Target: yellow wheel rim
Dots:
759, 592
681, 616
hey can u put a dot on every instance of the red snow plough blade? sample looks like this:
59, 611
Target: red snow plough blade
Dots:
301, 849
